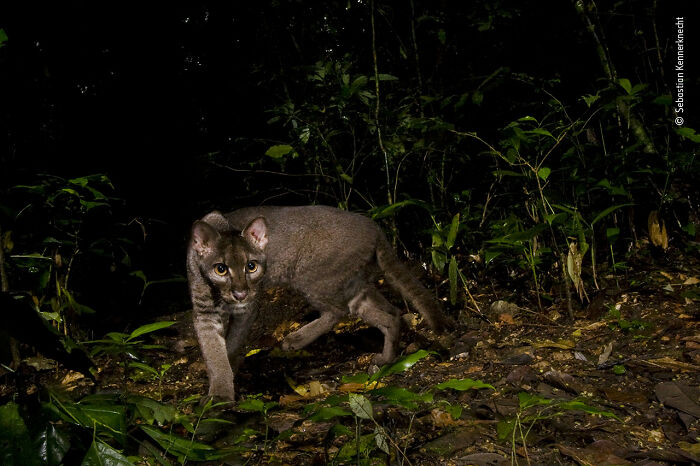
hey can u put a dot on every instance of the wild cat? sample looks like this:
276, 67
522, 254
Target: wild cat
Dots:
330, 256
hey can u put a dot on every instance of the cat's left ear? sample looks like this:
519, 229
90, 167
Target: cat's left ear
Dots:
256, 233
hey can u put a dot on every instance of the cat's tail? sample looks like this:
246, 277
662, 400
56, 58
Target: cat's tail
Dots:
403, 281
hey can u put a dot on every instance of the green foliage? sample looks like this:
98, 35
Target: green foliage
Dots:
535, 410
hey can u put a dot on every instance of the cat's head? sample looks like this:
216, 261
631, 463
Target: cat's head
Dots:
231, 262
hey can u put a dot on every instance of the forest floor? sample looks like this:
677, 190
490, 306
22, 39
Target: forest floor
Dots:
620, 384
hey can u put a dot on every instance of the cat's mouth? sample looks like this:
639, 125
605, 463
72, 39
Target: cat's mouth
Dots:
237, 299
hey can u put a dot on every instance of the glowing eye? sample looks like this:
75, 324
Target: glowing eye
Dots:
221, 269
251, 266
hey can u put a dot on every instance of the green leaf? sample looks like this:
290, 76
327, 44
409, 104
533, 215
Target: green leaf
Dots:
452, 234
590, 99
607, 212
3, 37
403, 397
279, 151
688, 133
625, 84
101, 454
357, 378
151, 410
452, 273
463, 384
327, 413
386, 211
576, 405
108, 418
15, 445
612, 234
544, 173
380, 438
148, 328
526, 400
361, 406
401, 365
455, 411
52, 445
184, 448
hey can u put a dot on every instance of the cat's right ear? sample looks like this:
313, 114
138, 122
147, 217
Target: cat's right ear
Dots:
204, 237
217, 220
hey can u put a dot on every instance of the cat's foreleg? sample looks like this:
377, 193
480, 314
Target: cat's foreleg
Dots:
210, 330
238, 329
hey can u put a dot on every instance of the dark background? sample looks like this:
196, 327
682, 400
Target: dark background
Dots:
155, 95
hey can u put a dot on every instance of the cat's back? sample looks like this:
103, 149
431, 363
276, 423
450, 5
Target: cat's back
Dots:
298, 219
304, 237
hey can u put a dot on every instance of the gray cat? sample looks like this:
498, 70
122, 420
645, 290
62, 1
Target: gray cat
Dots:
330, 256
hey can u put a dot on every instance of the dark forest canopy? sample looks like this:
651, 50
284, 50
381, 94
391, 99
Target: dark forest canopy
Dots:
513, 115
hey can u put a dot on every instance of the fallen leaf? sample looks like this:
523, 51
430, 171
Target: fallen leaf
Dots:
679, 396
691, 281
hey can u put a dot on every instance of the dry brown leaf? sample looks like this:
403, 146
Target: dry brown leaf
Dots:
692, 281
561, 344
657, 230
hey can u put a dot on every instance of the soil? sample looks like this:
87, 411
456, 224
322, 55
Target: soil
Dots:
617, 384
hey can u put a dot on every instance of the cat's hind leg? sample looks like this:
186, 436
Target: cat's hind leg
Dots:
311, 331
372, 307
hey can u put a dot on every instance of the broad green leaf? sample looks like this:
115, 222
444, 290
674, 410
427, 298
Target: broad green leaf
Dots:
357, 378
361, 406
490, 255
3, 37
612, 234
15, 445
401, 365
52, 444
541, 132
101, 454
184, 448
327, 413
464, 384
151, 410
544, 173
279, 151
688, 133
526, 400
107, 418
452, 234
403, 397
625, 84
455, 411
148, 328
504, 428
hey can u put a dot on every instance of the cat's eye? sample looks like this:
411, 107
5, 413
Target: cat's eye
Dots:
221, 269
251, 266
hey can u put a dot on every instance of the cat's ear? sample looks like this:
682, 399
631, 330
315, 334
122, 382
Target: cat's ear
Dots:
217, 220
204, 237
256, 233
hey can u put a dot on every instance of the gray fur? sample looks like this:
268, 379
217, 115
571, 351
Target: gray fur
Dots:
332, 257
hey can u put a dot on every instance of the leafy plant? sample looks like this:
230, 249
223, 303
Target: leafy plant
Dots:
534, 410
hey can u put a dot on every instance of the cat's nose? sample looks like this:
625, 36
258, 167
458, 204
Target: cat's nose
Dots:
240, 295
